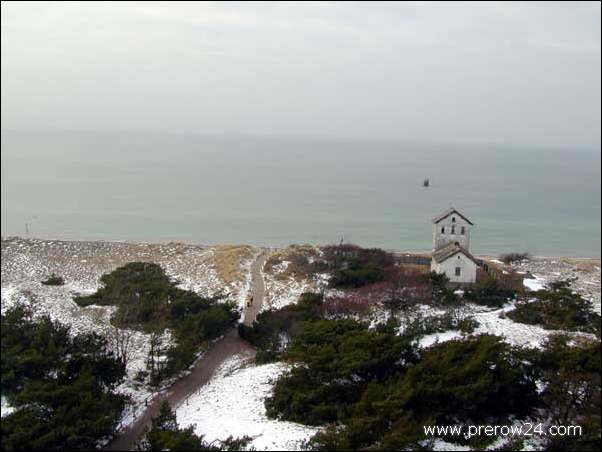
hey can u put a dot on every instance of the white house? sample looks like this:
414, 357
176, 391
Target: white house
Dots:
451, 245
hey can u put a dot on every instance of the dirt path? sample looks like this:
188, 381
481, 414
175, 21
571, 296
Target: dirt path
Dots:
231, 344
258, 289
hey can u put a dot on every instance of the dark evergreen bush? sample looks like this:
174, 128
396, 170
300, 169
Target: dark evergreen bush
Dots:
61, 385
54, 280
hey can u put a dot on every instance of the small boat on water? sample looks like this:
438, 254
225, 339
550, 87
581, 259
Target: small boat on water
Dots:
426, 182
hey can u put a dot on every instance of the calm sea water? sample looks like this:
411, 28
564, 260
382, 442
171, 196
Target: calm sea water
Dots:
278, 191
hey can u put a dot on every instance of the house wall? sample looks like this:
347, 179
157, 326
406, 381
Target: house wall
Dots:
442, 239
468, 272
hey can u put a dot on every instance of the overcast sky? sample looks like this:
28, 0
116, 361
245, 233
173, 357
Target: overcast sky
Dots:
518, 73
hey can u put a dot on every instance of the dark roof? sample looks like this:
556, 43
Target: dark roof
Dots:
449, 250
447, 213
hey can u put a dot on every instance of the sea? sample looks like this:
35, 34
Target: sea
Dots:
277, 191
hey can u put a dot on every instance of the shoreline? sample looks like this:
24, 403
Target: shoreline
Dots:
486, 256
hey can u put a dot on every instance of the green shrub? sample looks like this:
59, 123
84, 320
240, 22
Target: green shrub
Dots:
356, 277
166, 434
352, 266
61, 385
487, 292
558, 308
273, 329
340, 358
440, 324
569, 372
380, 392
147, 299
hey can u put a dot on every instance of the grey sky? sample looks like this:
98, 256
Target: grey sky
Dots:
519, 73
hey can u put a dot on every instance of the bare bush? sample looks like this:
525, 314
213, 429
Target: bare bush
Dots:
510, 258
121, 342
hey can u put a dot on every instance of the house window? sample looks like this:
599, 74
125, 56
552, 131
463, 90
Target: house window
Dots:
463, 230
443, 230
453, 229
458, 271
453, 219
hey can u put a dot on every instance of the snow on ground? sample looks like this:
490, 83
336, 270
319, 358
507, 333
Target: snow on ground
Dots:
281, 292
436, 338
240, 290
232, 403
285, 281
439, 444
495, 322
535, 284
515, 333
585, 271
57, 303
6, 408
25, 263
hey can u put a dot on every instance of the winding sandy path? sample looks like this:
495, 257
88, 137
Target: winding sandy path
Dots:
258, 285
202, 371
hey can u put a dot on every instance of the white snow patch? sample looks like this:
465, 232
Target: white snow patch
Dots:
439, 444
232, 403
495, 322
437, 338
6, 408
283, 293
535, 284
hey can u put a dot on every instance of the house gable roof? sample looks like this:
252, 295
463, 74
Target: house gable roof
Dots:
451, 249
447, 213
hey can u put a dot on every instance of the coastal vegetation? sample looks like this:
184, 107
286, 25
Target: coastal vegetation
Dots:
148, 300
60, 384
454, 320
54, 280
166, 434
349, 266
369, 364
302, 261
352, 266
228, 259
569, 374
375, 388
510, 258
557, 308
272, 330
487, 292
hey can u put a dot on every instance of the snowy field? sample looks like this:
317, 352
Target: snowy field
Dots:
25, 263
585, 271
232, 403
283, 290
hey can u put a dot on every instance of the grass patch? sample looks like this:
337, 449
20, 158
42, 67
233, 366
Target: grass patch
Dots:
301, 260
228, 260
